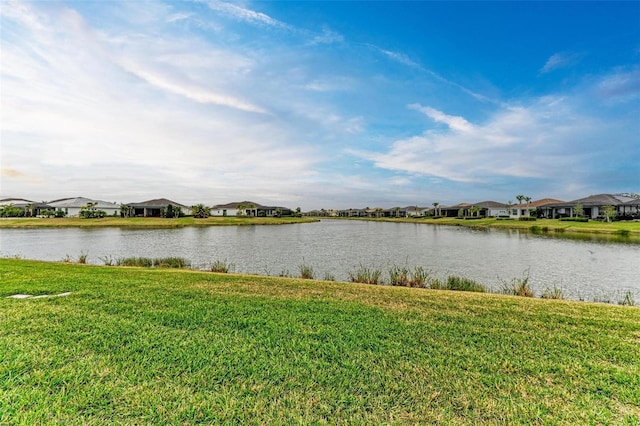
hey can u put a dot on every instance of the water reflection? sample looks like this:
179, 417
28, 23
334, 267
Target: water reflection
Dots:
583, 265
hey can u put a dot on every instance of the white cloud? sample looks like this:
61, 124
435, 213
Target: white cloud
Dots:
621, 86
561, 60
520, 142
188, 89
327, 37
245, 15
458, 124
84, 111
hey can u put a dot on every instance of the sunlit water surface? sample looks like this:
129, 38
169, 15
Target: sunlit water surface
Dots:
584, 269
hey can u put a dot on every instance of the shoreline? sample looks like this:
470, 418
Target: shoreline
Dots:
147, 222
551, 227
540, 226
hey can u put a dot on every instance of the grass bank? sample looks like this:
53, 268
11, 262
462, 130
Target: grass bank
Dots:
551, 226
147, 222
131, 345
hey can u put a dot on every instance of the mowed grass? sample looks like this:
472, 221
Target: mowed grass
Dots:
551, 226
148, 346
147, 222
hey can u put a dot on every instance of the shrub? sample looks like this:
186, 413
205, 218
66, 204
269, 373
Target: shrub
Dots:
365, 275
463, 284
144, 262
527, 218
437, 284
108, 260
627, 300
420, 277
171, 262
306, 271
399, 276
221, 266
518, 287
552, 293
83, 257
574, 219
329, 277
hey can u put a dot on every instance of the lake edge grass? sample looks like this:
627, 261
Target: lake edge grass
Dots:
134, 345
148, 222
539, 226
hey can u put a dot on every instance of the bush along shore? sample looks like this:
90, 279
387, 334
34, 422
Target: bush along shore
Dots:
89, 344
397, 276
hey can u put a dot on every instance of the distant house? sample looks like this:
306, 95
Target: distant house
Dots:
591, 206
527, 209
28, 207
485, 209
415, 211
630, 210
249, 208
72, 206
157, 208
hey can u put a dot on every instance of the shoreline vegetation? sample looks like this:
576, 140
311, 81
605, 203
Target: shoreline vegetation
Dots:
393, 276
539, 226
154, 345
149, 222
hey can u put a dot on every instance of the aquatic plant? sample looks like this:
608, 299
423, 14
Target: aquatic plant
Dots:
365, 275
518, 286
552, 293
221, 266
306, 271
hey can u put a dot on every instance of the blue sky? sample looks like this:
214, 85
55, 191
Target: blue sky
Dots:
319, 104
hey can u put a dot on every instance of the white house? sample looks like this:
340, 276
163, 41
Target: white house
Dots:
72, 206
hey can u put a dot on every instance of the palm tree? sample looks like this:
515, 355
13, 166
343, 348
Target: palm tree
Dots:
527, 199
200, 211
519, 198
435, 207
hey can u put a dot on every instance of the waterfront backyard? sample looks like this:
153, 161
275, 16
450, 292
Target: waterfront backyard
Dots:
131, 345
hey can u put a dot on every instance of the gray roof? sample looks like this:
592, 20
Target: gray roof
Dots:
155, 204
17, 202
235, 205
596, 200
80, 202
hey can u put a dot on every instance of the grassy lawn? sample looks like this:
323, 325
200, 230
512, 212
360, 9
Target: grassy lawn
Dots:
147, 222
156, 346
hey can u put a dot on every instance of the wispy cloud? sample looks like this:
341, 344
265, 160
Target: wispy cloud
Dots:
561, 60
457, 124
547, 137
622, 86
328, 36
243, 14
189, 89
398, 57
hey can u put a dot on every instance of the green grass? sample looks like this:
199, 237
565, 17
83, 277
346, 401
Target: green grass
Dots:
158, 346
622, 229
147, 222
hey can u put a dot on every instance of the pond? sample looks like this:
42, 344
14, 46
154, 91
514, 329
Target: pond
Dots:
587, 268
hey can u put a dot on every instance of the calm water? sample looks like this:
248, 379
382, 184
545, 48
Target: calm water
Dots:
582, 268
